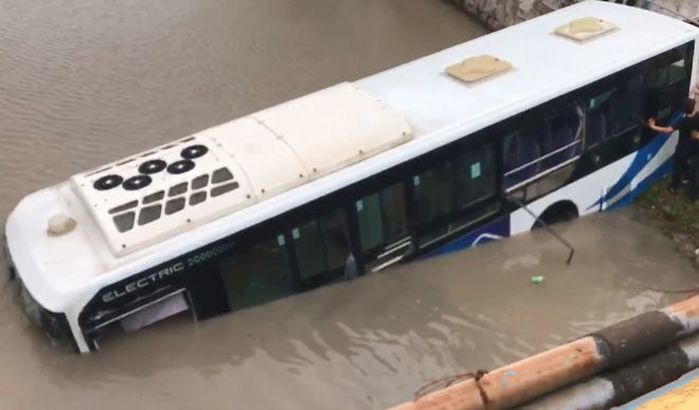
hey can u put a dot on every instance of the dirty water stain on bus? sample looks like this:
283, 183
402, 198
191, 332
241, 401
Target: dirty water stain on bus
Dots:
84, 83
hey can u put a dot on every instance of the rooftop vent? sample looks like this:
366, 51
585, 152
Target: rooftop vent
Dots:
477, 68
227, 168
585, 28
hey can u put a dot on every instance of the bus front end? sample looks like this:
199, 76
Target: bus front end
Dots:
50, 258
54, 325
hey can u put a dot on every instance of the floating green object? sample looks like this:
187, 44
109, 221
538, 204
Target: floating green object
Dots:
536, 279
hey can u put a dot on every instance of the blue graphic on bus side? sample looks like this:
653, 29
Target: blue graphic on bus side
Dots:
498, 229
655, 176
643, 156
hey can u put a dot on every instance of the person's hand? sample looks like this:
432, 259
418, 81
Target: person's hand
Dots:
651, 122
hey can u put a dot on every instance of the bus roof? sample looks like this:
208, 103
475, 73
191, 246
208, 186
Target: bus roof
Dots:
545, 65
235, 165
437, 108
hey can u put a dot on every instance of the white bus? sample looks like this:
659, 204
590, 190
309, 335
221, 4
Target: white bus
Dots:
429, 157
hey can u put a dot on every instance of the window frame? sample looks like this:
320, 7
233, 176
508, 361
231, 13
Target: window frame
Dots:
544, 115
458, 220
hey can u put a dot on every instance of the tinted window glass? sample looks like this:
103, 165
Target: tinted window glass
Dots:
668, 68
521, 158
545, 144
615, 111
677, 71
628, 106
381, 217
393, 212
451, 196
435, 193
336, 238
566, 135
475, 176
322, 247
310, 254
370, 221
666, 80
257, 273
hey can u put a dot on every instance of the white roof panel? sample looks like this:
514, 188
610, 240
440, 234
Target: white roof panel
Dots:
235, 165
544, 65
333, 128
255, 148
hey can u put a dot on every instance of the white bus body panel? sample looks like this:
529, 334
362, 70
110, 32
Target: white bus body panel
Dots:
269, 151
589, 194
63, 273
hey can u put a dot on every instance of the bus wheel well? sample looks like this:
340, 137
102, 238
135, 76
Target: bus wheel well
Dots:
561, 211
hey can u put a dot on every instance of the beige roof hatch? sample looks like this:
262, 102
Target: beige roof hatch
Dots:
585, 28
477, 68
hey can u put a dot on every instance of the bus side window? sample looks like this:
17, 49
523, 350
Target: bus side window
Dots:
615, 111
599, 114
434, 192
256, 273
677, 71
541, 157
543, 145
628, 113
567, 127
521, 156
615, 116
475, 176
450, 196
310, 253
322, 248
381, 217
667, 82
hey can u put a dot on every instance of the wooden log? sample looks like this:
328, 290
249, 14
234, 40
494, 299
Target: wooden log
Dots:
609, 348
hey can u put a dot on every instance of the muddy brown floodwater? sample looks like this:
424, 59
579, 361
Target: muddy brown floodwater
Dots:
85, 82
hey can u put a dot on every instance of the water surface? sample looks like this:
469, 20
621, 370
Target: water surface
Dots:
85, 82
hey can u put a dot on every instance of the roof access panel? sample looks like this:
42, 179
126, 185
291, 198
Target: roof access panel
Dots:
336, 127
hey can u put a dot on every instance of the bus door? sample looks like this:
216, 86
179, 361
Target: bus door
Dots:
383, 227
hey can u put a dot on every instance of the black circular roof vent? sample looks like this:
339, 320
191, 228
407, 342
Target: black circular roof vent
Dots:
137, 182
194, 151
180, 167
108, 182
153, 166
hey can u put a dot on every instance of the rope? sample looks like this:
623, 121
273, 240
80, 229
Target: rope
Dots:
445, 382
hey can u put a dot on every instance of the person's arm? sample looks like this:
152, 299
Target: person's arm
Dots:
665, 130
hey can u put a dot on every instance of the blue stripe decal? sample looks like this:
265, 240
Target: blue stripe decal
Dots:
643, 156
498, 229
655, 176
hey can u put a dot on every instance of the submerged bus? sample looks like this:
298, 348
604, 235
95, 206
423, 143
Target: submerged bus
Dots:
435, 155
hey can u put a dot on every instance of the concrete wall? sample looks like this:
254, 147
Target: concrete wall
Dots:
688, 9
497, 14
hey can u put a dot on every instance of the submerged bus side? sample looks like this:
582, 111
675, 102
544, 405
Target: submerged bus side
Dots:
565, 149
460, 195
